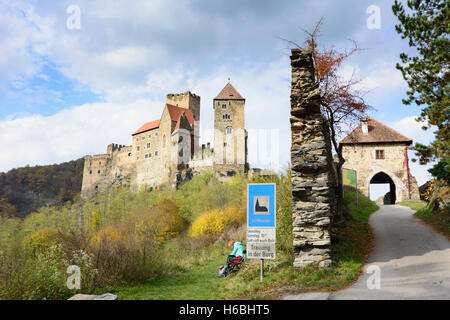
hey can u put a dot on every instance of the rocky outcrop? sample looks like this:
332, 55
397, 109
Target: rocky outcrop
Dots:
312, 175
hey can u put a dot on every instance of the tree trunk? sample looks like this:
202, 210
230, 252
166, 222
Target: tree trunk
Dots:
340, 213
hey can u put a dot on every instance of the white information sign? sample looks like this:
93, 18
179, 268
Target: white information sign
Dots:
261, 243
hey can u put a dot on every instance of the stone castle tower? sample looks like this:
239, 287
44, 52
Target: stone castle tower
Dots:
189, 101
167, 151
230, 136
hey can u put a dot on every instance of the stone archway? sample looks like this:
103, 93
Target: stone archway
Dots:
401, 188
383, 178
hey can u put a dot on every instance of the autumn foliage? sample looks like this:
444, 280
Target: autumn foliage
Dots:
214, 222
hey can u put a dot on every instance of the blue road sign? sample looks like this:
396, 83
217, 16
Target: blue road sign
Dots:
261, 204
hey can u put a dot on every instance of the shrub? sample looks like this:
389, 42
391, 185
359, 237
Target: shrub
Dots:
205, 193
208, 224
160, 222
126, 262
214, 222
428, 191
85, 261
109, 233
45, 276
40, 241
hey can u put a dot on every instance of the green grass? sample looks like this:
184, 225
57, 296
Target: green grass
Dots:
413, 204
439, 220
351, 244
196, 283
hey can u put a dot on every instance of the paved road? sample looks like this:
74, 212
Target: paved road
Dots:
414, 260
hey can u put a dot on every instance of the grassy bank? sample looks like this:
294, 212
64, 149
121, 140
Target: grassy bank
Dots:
416, 205
351, 244
439, 220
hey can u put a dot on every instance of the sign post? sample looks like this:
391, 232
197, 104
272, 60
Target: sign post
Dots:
349, 179
261, 222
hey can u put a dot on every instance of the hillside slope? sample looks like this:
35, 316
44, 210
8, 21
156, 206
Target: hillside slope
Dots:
26, 189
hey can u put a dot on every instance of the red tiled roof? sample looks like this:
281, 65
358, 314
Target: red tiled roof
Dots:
175, 113
377, 133
148, 126
229, 93
178, 125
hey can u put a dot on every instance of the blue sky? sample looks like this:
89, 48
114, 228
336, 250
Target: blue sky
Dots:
66, 93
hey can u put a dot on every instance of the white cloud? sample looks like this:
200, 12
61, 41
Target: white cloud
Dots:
71, 133
380, 79
412, 129
119, 45
24, 36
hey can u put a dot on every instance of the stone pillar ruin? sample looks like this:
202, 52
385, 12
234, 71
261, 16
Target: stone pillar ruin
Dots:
313, 180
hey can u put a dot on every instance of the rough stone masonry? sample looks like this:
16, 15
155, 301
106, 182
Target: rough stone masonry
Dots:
313, 201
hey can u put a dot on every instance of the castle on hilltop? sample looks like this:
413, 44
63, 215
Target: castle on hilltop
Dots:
167, 151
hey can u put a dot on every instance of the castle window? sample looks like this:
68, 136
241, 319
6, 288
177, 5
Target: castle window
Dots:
224, 144
224, 106
164, 141
229, 130
180, 139
138, 148
226, 117
379, 154
98, 171
90, 171
146, 156
180, 153
148, 145
156, 153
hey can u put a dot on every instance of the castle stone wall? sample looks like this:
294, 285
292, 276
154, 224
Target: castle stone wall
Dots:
313, 184
102, 171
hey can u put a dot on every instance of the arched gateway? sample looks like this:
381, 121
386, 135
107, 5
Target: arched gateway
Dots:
383, 178
379, 155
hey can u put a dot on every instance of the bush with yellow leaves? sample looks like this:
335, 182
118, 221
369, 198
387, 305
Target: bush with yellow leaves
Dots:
214, 222
160, 222
40, 241
109, 233
428, 191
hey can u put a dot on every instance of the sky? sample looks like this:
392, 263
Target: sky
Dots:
76, 76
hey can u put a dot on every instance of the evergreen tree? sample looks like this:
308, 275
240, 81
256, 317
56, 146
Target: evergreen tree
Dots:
426, 25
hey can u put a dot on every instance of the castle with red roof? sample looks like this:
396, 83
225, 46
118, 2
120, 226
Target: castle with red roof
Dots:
167, 151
